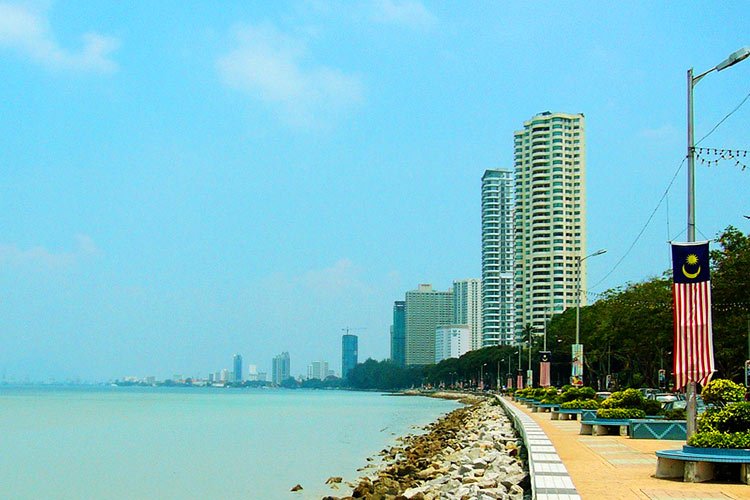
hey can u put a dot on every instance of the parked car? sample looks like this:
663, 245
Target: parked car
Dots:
647, 391
663, 397
681, 404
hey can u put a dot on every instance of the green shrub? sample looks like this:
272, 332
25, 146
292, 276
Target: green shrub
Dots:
587, 393
729, 419
629, 398
538, 393
715, 439
550, 392
620, 413
522, 393
722, 391
582, 404
651, 407
574, 393
675, 414
550, 401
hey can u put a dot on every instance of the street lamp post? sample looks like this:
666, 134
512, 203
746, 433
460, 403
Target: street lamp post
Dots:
579, 260
529, 372
735, 57
519, 374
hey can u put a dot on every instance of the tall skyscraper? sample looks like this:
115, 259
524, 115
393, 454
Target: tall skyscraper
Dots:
237, 365
426, 309
349, 353
498, 290
398, 334
280, 368
467, 310
550, 229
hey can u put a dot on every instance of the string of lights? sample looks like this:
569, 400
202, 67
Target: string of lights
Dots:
712, 156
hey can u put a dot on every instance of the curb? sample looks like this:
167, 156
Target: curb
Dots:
549, 477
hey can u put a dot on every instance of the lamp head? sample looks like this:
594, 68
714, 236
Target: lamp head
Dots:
734, 58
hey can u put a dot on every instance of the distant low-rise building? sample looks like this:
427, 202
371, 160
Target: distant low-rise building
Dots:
317, 370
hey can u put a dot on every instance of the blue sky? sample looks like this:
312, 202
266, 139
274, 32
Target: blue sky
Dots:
186, 180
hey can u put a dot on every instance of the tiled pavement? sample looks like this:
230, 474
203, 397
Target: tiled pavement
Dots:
605, 467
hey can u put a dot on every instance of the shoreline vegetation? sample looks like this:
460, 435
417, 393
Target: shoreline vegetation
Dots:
472, 452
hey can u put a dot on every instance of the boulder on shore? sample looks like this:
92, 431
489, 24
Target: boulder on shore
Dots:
472, 452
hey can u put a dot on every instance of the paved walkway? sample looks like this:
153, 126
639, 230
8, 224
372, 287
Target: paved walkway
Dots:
620, 468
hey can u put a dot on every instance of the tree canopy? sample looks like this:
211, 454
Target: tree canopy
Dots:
627, 333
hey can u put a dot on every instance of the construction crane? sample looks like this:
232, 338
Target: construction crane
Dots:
348, 329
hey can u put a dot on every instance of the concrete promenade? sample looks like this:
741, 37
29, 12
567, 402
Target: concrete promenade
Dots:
615, 467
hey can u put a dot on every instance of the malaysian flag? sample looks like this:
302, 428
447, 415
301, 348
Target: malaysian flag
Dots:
693, 336
544, 378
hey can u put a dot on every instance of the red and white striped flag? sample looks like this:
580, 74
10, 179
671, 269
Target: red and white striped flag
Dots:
693, 334
544, 375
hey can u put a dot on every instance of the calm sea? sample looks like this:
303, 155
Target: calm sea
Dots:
144, 443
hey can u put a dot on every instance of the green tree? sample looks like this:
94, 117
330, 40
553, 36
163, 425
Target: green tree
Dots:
730, 280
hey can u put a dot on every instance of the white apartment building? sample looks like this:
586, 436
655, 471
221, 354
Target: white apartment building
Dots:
318, 370
550, 218
467, 308
451, 341
498, 289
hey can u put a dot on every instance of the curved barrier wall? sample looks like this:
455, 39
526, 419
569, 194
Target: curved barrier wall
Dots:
549, 477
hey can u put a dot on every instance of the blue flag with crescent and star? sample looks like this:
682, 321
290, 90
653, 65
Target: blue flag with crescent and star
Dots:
693, 330
690, 262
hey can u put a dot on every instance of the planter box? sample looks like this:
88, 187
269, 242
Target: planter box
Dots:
658, 429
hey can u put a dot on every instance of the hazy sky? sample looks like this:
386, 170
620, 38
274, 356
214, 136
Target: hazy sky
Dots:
186, 180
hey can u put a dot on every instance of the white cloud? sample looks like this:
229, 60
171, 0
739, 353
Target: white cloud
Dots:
409, 13
276, 68
29, 33
40, 257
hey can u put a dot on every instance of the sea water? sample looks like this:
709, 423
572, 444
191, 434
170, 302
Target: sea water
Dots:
207, 443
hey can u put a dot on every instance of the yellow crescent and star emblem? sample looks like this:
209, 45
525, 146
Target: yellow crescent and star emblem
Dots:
692, 261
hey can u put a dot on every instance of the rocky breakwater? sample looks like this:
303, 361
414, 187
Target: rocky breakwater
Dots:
471, 453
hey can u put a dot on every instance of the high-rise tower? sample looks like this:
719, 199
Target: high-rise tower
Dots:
398, 334
237, 365
425, 310
498, 291
349, 353
281, 368
550, 219
467, 309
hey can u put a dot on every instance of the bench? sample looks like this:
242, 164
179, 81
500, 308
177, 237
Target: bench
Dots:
695, 465
605, 426
542, 408
566, 414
